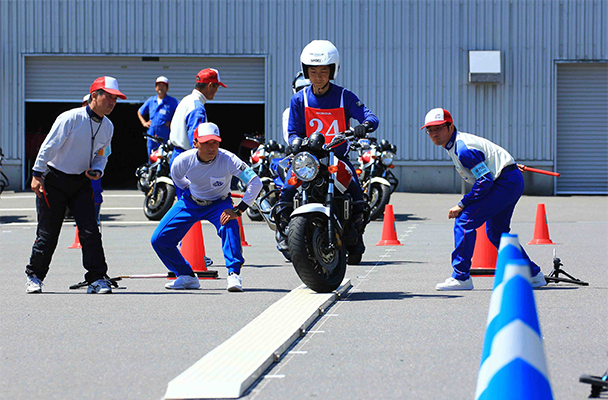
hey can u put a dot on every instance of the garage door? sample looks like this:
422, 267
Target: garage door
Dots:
68, 78
582, 128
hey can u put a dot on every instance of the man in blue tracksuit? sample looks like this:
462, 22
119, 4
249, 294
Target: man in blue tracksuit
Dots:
159, 110
204, 175
497, 186
326, 108
190, 112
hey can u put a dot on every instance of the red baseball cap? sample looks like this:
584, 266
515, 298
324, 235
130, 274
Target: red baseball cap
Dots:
209, 75
207, 131
107, 84
437, 116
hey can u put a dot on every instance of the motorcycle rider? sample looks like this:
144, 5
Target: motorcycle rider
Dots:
326, 108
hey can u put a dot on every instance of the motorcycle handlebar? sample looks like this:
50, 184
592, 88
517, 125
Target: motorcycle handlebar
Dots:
154, 138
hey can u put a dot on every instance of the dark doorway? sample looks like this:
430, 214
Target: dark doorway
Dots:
128, 143
234, 121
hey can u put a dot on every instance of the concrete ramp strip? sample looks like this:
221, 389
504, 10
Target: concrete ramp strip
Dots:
229, 369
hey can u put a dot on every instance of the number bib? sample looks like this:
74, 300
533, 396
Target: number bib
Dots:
327, 122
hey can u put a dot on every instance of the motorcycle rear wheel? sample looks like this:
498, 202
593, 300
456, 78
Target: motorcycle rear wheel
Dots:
155, 207
307, 242
379, 196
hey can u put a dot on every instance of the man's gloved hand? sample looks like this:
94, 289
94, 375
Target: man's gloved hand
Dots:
360, 131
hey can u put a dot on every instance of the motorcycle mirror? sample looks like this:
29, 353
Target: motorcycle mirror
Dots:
296, 144
316, 141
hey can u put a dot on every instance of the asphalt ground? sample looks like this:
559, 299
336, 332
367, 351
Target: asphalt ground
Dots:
391, 337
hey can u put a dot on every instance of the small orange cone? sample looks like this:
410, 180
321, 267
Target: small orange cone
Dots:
76, 244
483, 262
243, 241
193, 250
541, 229
389, 232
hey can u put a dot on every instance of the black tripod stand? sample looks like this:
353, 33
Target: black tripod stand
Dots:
554, 275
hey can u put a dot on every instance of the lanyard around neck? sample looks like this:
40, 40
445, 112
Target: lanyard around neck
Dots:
93, 136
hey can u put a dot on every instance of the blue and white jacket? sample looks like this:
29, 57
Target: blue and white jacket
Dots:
478, 161
189, 114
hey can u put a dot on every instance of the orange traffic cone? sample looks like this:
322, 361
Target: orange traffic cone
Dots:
243, 241
389, 232
193, 250
483, 262
541, 229
76, 244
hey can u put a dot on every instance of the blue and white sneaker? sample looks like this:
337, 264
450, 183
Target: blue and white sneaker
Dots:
538, 280
33, 285
101, 286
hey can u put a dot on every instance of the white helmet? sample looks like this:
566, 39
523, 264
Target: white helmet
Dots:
299, 82
320, 52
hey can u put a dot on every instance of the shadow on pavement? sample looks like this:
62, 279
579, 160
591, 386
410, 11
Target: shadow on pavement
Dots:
366, 296
7, 219
408, 217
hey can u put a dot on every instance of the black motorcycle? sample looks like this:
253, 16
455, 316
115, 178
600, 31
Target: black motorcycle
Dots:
4, 182
155, 181
261, 161
377, 180
321, 230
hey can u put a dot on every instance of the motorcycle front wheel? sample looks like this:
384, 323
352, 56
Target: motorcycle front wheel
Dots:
379, 196
157, 204
320, 268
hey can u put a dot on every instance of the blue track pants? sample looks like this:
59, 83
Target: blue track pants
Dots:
496, 210
178, 221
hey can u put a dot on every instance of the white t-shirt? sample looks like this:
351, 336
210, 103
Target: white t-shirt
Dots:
211, 181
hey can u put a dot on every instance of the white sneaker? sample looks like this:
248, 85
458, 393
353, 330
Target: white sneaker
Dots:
235, 283
455, 284
208, 262
538, 280
33, 285
184, 282
101, 286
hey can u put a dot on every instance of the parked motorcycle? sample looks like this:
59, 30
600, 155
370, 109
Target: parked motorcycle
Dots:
321, 231
267, 202
376, 178
261, 161
155, 181
4, 182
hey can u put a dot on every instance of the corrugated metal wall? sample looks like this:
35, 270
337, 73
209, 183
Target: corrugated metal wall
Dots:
401, 57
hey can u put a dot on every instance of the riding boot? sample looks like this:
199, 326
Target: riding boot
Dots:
282, 222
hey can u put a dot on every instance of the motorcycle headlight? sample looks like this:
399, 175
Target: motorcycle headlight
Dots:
305, 166
387, 158
275, 154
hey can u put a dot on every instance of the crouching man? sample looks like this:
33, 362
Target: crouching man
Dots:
204, 174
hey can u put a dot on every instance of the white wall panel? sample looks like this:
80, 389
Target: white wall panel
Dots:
402, 57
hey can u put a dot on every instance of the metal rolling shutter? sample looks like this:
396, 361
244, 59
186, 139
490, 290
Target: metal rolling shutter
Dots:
68, 78
582, 128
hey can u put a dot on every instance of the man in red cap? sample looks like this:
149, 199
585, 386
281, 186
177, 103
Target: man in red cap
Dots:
74, 152
204, 175
190, 112
497, 186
